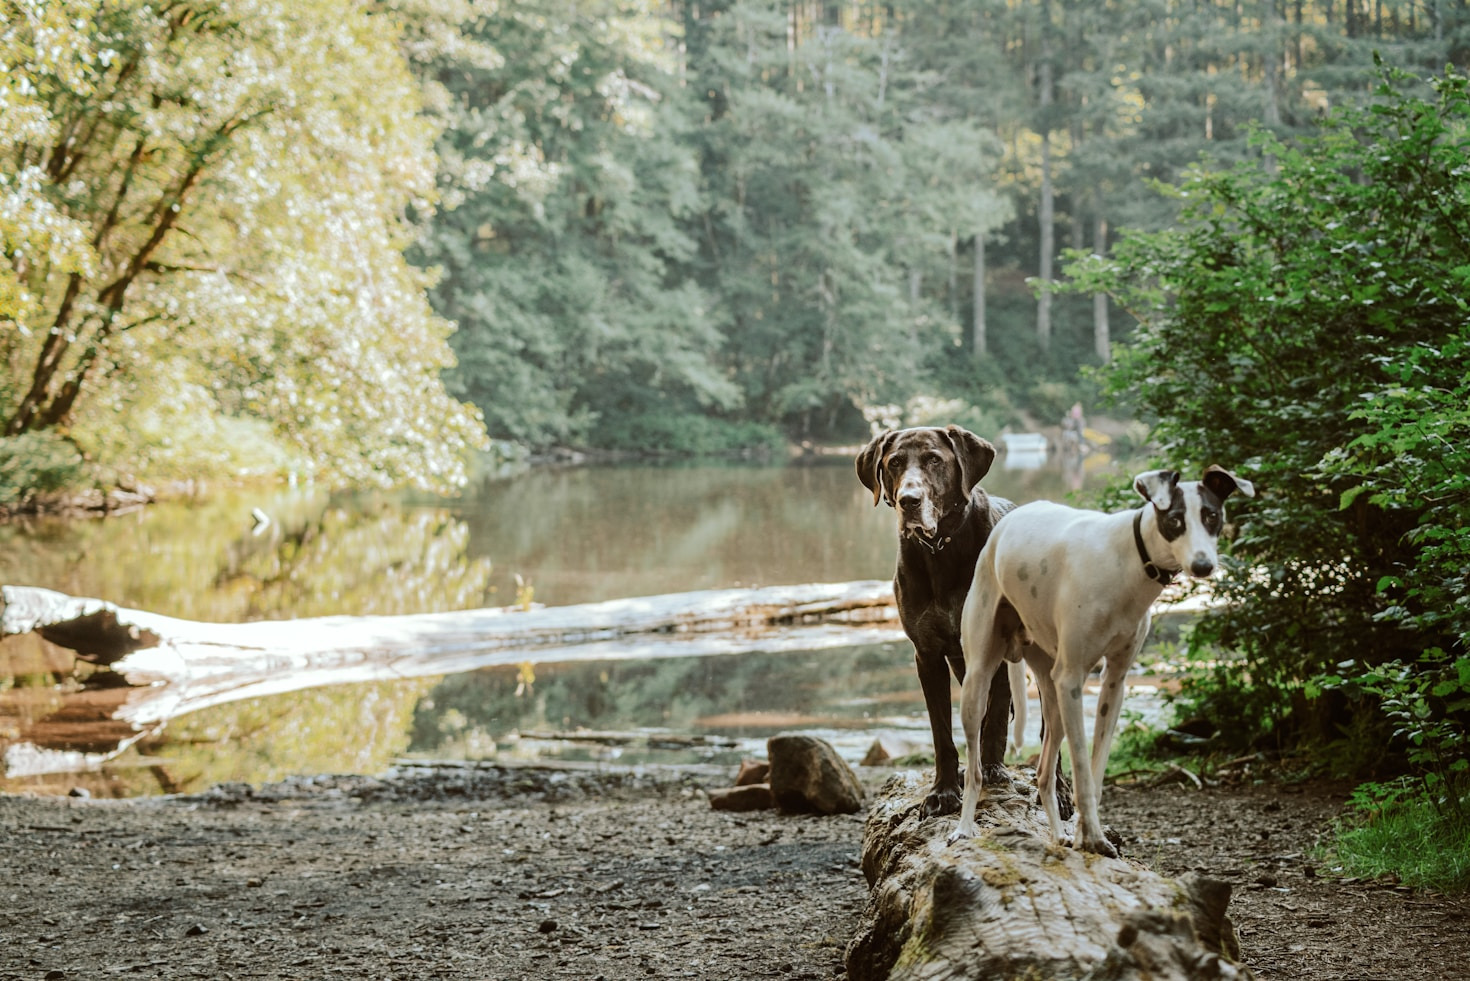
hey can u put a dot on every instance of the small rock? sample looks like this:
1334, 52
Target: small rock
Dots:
885, 749
752, 797
79, 792
254, 883
197, 930
547, 926
808, 777
753, 772
55, 976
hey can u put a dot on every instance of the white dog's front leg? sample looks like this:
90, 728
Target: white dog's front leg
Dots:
1068, 679
1109, 710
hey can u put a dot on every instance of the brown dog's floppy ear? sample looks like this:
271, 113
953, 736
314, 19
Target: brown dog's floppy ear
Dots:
1157, 487
1222, 482
869, 464
975, 456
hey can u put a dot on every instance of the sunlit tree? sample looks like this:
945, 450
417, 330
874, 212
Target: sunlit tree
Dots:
204, 215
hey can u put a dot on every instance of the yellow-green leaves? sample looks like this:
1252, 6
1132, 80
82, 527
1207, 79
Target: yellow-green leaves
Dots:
210, 207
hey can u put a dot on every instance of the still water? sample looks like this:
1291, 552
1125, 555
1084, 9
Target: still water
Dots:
551, 536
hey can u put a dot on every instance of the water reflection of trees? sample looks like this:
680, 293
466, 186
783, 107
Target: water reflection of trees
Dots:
205, 560
596, 533
315, 557
740, 695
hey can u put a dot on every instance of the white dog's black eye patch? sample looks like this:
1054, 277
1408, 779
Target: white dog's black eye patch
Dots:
1211, 510
1173, 521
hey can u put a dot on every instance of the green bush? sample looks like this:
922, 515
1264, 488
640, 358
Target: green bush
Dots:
1306, 323
32, 464
687, 434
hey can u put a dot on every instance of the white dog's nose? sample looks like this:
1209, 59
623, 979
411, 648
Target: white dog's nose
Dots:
1201, 566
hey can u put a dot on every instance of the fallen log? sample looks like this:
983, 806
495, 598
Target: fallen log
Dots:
171, 666
1009, 904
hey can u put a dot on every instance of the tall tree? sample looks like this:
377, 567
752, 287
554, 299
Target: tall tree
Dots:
569, 198
837, 187
214, 279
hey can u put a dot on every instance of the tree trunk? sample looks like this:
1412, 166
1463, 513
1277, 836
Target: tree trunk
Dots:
1101, 331
1046, 212
1009, 904
979, 346
177, 666
1272, 66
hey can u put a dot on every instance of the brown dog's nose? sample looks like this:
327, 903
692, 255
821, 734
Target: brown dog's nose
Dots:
910, 498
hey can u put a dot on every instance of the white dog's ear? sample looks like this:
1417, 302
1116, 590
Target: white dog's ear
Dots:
869, 464
1157, 487
1222, 483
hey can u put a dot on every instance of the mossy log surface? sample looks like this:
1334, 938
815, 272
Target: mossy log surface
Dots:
1011, 905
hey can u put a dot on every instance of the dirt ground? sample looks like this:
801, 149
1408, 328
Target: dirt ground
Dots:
492, 873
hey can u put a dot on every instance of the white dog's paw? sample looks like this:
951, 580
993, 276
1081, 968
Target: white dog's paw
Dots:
963, 830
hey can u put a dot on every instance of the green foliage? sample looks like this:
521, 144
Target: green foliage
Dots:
1408, 839
689, 434
34, 464
747, 210
1306, 323
183, 244
836, 191
1428, 704
569, 198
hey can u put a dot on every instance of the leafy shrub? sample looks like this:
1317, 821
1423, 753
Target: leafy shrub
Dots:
688, 434
1306, 323
37, 463
987, 416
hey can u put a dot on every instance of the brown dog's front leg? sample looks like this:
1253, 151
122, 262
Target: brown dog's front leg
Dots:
993, 733
944, 798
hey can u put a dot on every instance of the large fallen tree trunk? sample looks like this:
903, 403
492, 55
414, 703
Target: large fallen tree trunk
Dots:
180, 666
1009, 904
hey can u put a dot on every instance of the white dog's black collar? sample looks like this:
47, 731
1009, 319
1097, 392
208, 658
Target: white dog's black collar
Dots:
1161, 576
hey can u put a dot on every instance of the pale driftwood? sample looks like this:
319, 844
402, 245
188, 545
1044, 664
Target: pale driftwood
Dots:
1009, 904
179, 666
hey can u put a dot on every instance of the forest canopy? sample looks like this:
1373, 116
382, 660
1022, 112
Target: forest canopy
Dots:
349, 241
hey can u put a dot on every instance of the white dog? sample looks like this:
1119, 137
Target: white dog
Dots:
1065, 589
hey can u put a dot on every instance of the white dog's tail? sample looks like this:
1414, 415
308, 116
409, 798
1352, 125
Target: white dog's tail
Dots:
1016, 671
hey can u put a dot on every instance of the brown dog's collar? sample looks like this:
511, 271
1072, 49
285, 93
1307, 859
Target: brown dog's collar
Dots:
936, 544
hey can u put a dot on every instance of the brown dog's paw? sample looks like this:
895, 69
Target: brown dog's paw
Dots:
941, 801
1065, 810
996, 775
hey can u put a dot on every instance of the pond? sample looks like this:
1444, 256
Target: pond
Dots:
550, 536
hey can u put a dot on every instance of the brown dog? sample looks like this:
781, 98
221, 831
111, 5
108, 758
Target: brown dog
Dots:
931, 476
